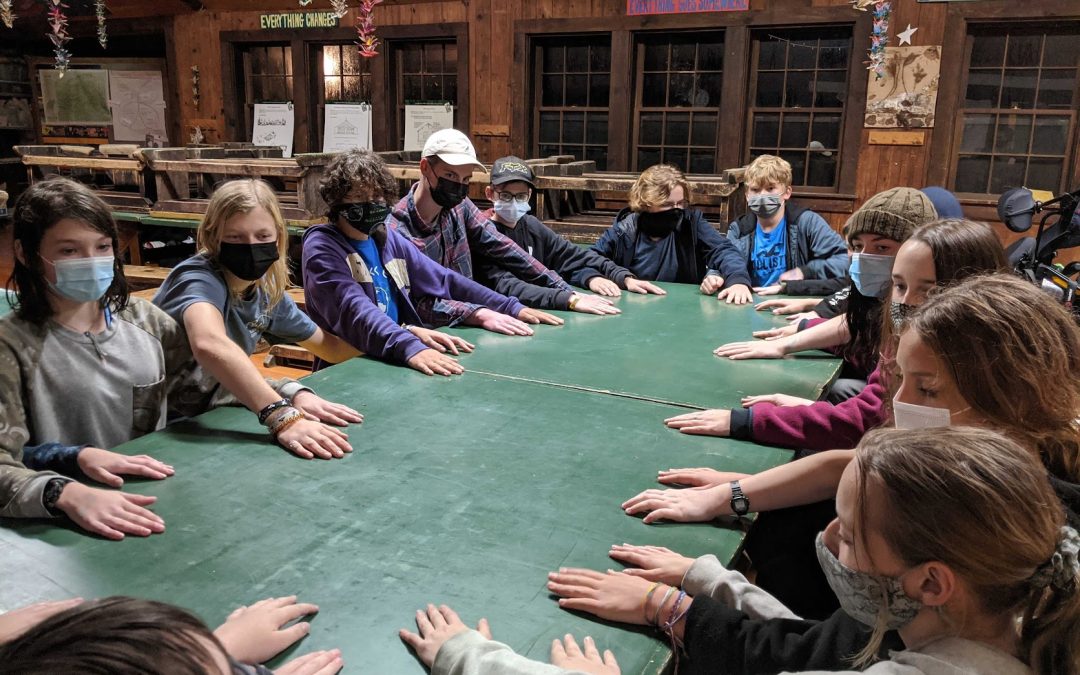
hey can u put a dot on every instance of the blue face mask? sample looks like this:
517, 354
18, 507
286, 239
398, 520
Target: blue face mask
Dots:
83, 279
872, 274
511, 211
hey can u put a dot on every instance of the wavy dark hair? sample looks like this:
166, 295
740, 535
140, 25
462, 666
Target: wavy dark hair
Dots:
114, 636
864, 317
351, 168
43, 205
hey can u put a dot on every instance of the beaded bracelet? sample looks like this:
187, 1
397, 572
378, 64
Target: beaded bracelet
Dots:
672, 615
286, 421
278, 415
656, 617
265, 412
648, 596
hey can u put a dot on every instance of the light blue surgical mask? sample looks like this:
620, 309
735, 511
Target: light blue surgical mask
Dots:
511, 211
765, 205
872, 274
83, 279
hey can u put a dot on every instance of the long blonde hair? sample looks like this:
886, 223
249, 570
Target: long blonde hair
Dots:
979, 503
244, 195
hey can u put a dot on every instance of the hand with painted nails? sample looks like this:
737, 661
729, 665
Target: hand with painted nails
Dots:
436, 625
256, 633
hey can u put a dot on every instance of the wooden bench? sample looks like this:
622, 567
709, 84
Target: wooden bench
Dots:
141, 277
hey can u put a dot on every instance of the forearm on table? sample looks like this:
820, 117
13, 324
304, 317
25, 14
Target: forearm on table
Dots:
832, 333
803, 481
227, 362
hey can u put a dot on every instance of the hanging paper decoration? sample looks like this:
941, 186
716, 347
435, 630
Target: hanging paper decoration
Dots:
879, 36
59, 36
305, 3
340, 7
99, 11
196, 94
365, 29
7, 12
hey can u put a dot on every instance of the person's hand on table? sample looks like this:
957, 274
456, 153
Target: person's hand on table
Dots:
697, 477
702, 422
534, 316
106, 466
110, 514
776, 333
316, 663
18, 621
440, 342
308, 439
796, 318
604, 286
593, 304
795, 274
436, 625
328, 412
498, 323
781, 400
688, 505
768, 349
642, 287
567, 655
654, 563
780, 306
768, 290
256, 633
711, 284
610, 595
432, 362
739, 294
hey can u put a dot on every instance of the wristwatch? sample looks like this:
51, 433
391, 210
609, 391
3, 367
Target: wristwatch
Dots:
740, 503
51, 494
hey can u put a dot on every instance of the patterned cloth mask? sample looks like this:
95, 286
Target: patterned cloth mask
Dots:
900, 313
866, 597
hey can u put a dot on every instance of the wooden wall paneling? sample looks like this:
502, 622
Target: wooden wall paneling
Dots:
303, 106
621, 135
733, 96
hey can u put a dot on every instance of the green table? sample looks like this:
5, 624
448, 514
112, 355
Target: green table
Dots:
658, 349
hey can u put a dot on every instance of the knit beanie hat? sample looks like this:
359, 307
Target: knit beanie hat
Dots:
893, 213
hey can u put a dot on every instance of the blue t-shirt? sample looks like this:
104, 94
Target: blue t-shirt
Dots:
769, 257
247, 319
384, 295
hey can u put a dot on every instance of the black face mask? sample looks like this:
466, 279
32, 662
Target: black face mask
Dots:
448, 193
248, 261
364, 216
659, 224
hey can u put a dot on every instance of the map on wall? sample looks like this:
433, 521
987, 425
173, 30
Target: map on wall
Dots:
138, 105
79, 97
907, 96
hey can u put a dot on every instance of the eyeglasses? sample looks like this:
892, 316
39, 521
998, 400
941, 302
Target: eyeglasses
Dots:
675, 205
521, 197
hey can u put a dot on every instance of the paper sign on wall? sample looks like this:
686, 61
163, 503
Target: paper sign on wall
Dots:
137, 98
274, 123
423, 120
347, 126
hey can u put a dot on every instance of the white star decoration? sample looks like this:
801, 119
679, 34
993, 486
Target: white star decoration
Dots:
905, 36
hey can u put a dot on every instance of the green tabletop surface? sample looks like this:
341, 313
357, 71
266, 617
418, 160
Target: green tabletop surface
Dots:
659, 349
463, 490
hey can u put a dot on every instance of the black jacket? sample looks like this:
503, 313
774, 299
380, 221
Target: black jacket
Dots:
816, 286
699, 249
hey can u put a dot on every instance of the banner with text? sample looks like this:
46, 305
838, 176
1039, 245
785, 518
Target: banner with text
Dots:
642, 7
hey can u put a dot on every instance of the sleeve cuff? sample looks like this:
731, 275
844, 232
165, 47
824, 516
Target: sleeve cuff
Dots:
742, 423
291, 388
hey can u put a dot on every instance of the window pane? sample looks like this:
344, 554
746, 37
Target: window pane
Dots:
450, 88
682, 56
549, 127
331, 60
599, 90
708, 90
596, 128
701, 161
822, 169
978, 133
433, 57
600, 58
802, 55
766, 129
573, 130
1013, 135
798, 92
795, 131
654, 90
656, 56
433, 90
553, 59
1062, 50
350, 60
449, 57
972, 174
833, 54
676, 157
677, 129
577, 59
598, 154
1044, 173
987, 51
275, 89
798, 166
332, 88
552, 90
352, 89
410, 59
1051, 136
1019, 89
647, 157
711, 56
983, 88
771, 55
680, 90
411, 88
652, 129
257, 60
577, 92
703, 131
827, 131
549, 150
275, 61
831, 89
1056, 88
1007, 172
770, 87
1024, 51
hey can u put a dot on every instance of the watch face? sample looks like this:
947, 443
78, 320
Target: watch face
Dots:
740, 505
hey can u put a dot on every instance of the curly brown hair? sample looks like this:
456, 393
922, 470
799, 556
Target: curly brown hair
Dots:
356, 167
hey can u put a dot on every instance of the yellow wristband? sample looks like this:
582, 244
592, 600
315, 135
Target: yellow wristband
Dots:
574, 300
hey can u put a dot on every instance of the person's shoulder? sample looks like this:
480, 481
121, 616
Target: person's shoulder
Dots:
15, 331
147, 316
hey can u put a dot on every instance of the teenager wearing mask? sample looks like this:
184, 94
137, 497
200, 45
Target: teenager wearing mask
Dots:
438, 216
659, 237
82, 367
780, 241
911, 557
370, 285
510, 190
230, 295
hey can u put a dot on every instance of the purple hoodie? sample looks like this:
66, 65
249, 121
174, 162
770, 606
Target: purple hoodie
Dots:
341, 298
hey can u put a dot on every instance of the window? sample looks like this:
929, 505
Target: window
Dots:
1019, 107
571, 98
346, 75
796, 107
425, 72
268, 76
677, 101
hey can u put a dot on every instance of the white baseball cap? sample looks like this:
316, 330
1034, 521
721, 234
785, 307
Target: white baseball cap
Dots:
452, 147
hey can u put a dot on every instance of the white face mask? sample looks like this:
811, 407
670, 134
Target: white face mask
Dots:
511, 211
911, 416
